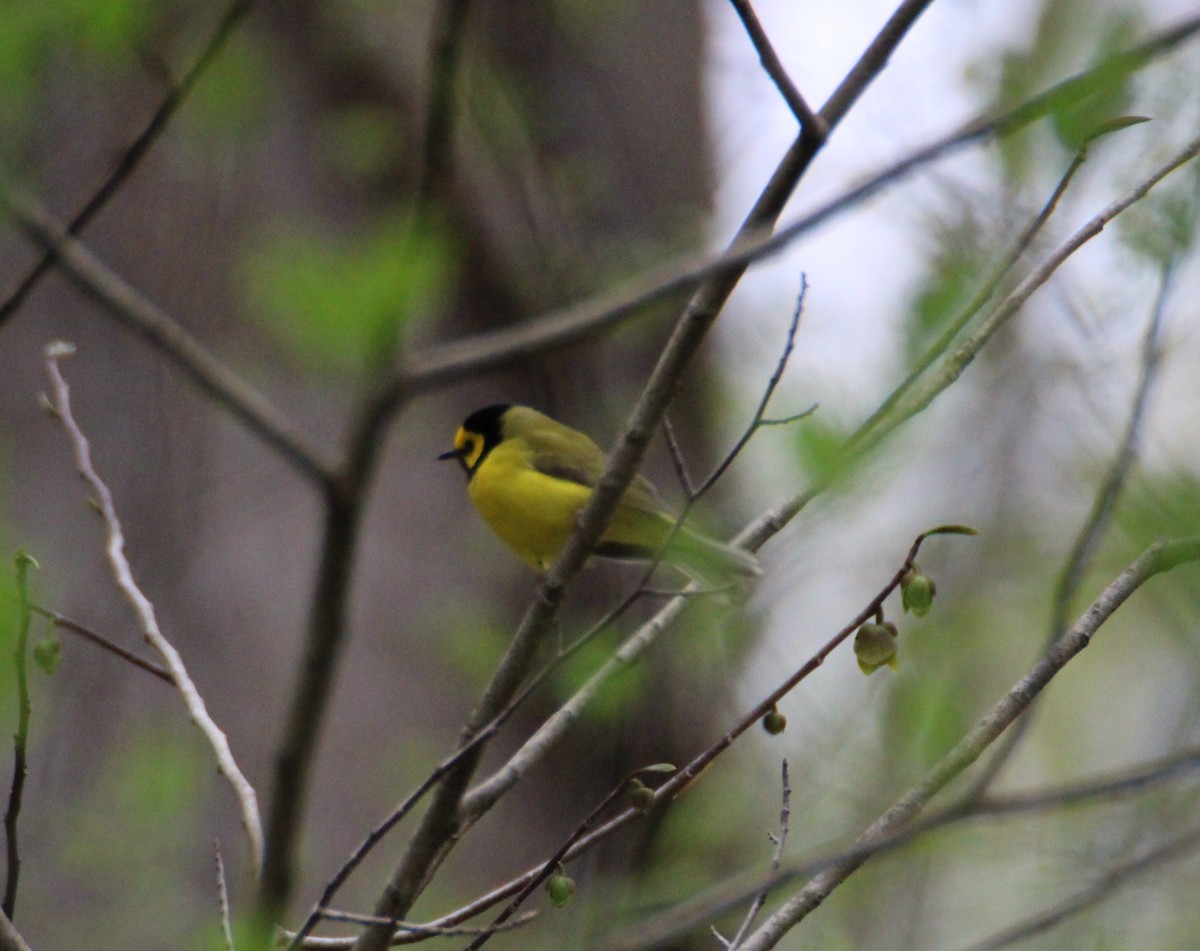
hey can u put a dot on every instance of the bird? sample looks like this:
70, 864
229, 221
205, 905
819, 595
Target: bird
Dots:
529, 476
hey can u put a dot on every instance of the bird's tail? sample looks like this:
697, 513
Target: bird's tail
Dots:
711, 564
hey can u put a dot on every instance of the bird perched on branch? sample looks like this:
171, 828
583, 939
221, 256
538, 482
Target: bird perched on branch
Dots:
529, 477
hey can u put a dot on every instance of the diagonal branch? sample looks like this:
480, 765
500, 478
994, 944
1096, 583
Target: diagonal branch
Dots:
1178, 847
442, 365
139, 314
1159, 558
133, 155
1099, 517
809, 121
123, 573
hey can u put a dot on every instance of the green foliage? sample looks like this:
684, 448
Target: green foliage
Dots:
819, 443
339, 302
142, 815
1069, 32
1162, 226
612, 704
955, 272
33, 31
234, 92
1161, 506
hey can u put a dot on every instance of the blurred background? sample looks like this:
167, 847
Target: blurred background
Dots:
273, 220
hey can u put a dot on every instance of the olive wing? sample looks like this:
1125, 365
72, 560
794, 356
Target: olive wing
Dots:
565, 453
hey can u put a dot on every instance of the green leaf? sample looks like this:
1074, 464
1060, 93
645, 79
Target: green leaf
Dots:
820, 448
338, 301
950, 530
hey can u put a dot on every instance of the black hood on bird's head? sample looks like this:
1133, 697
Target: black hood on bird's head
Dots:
488, 423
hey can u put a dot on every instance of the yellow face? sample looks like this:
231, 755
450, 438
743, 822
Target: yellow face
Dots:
468, 447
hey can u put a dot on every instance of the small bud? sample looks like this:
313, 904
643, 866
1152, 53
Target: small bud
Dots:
560, 888
47, 653
24, 559
916, 592
875, 646
639, 796
774, 722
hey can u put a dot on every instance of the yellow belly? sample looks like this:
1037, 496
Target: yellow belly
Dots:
534, 514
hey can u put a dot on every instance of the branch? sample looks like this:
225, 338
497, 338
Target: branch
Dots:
144, 609
809, 121
1098, 518
448, 364
61, 623
10, 938
676, 922
785, 812
1160, 557
1114, 878
132, 156
21, 737
152, 324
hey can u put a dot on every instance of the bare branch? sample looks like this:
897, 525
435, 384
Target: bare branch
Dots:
223, 897
447, 364
132, 156
785, 811
10, 938
1118, 876
148, 321
1157, 559
728, 895
1098, 518
20, 737
809, 121
448, 30
66, 624
144, 609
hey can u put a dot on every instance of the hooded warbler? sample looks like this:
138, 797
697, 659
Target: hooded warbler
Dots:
529, 476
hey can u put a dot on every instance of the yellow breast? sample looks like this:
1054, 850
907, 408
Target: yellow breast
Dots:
532, 513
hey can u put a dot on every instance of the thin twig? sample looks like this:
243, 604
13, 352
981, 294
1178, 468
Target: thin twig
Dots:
985, 293
132, 156
953, 364
699, 908
223, 897
552, 731
144, 609
677, 459
785, 811
760, 413
556, 859
1160, 557
809, 121
66, 624
1116, 877
20, 737
1098, 518
415, 932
